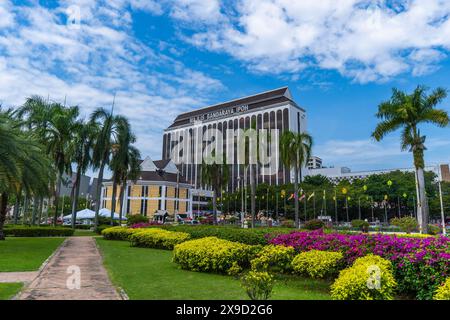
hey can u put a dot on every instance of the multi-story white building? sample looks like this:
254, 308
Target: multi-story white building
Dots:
314, 163
273, 109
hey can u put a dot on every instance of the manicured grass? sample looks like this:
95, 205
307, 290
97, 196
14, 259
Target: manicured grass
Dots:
150, 274
9, 290
26, 254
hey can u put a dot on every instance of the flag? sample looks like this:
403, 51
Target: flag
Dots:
302, 197
311, 195
292, 195
324, 195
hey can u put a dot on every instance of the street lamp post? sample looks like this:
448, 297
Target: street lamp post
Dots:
444, 231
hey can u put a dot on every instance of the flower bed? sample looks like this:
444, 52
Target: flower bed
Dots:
157, 238
420, 264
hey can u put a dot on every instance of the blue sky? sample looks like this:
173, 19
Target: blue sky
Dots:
339, 58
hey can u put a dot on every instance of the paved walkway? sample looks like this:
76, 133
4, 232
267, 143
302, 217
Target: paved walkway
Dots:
58, 279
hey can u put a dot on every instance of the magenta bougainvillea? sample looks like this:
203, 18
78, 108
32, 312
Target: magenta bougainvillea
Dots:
421, 264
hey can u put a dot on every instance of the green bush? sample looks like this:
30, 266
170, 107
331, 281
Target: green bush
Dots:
136, 218
287, 223
247, 236
369, 278
258, 285
406, 224
362, 225
118, 233
433, 230
276, 258
212, 254
102, 227
24, 231
314, 224
157, 238
318, 264
443, 292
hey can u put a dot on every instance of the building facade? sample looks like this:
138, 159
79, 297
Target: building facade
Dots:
159, 188
314, 163
274, 109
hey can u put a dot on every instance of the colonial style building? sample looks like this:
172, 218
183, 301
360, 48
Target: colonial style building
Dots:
159, 187
273, 109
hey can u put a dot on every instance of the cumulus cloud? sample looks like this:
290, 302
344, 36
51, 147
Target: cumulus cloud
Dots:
367, 40
50, 54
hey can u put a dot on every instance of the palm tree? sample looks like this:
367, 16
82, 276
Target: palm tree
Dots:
124, 155
295, 150
130, 174
108, 129
82, 157
55, 126
215, 175
406, 112
23, 164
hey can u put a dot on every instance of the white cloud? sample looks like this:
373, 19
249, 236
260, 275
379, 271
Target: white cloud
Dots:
87, 65
196, 10
368, 40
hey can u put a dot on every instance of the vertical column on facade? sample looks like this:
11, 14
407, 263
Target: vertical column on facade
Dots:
273, 175
163, 197
102, 196
286, 127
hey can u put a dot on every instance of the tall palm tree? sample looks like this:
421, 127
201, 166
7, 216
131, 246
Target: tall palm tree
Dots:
123, 155
215, 175
130, 174
295, 150
406, 112
23, 164
82, 157
106, 138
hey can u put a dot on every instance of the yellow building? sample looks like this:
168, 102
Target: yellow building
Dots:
159, 187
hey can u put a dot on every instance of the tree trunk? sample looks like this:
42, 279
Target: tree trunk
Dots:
113, 200
98, 192
121, 201
214, 207
3, 206
17, 207
253, 196
41, 208
76, 194
57, 192
297, 221
35, 210
423, 222
25, 209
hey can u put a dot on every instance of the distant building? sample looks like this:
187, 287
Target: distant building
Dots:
159, 187
336, 174
67, 185
314, 163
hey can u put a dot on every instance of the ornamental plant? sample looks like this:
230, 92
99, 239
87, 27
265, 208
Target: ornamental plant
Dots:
118, 233
275, 258
443, 292
369, 278
157, 238
258, 285
314, 224
420, 265
212, 254
406, 224
318, 264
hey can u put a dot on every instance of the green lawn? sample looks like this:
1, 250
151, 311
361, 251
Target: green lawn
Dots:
9, 290
149, 274
26, 254
84, 233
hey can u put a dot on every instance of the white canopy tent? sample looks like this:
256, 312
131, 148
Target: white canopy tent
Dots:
87, 214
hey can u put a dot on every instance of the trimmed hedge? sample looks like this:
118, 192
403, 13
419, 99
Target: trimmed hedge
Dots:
25, 231
273, 258
247, 236
369, 278
212, 254
157, 238
318, 264
118, 233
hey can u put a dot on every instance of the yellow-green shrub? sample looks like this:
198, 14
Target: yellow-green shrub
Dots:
443, 292
318, 264
258, 285
274, 257
212, 254
369, 278
158, 238
118, 233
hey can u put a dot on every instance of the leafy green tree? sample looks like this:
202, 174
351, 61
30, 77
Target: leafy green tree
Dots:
406, 112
